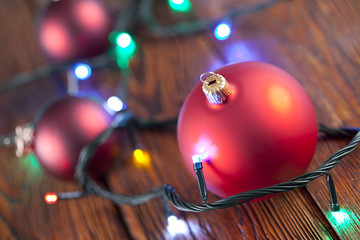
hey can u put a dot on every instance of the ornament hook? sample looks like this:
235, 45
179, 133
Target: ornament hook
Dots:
205, 75
215, 87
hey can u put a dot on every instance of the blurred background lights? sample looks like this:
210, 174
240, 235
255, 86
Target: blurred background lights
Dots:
115, 103
176, 226
123, 40
141, 158
82, 71
51, 198
125, 48
222, 31
177, 2
180, 5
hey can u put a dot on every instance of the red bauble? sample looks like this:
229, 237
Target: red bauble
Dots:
265, 132
64, 128
73, 29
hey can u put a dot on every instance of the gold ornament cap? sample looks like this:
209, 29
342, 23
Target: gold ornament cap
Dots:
215, 87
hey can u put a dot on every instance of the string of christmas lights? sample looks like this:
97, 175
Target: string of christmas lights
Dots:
90, 187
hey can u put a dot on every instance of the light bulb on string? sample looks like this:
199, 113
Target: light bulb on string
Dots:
51, 198
141, 158
176, 226
222, 31
115, 104
180, 5
125, 48
197, 165
343, 220
123, 40
332, 192
197, 158
82, 71
340, 216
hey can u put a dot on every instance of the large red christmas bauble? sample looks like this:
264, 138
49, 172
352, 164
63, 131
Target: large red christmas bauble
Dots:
64, 128
263, 134
73, 29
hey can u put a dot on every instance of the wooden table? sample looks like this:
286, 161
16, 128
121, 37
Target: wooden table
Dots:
317, 41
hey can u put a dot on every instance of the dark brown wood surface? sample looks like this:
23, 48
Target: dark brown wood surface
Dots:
318, 42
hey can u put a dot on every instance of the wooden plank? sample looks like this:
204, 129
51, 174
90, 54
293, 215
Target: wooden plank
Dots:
23, 212
337, 82
317, 43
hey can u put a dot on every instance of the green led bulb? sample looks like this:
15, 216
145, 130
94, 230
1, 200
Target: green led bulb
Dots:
125, 48
344, 221
340, 217
180, 5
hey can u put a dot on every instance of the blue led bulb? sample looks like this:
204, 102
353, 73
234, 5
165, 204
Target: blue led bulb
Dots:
82, 71
222, 31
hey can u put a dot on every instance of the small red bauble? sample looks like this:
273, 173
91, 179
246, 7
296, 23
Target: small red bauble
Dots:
263, 134
64, 128
73, 29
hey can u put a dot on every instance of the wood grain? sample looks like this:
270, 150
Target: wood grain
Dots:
318, 42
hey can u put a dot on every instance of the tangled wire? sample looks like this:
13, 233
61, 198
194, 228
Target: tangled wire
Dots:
90, 186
